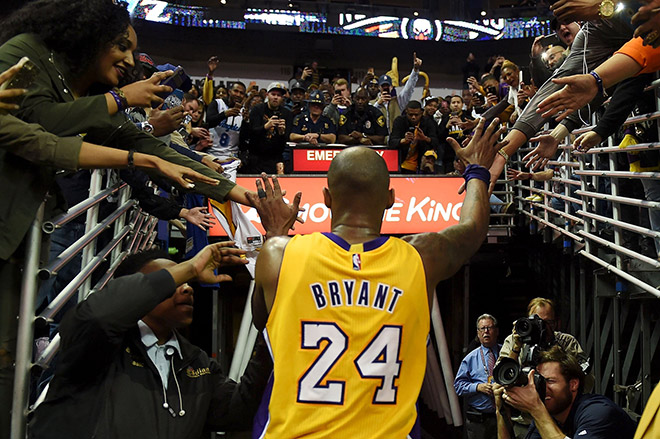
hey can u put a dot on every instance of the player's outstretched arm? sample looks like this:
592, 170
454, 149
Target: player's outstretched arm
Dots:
277, 217
445, 252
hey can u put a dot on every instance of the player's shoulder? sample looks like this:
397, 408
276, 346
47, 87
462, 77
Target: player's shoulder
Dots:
275, 244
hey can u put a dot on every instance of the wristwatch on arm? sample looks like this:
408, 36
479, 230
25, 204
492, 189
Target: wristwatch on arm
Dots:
146, 127
606, 9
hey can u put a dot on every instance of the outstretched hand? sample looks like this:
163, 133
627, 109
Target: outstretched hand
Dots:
484, 145
8, 94
545, 151
647, 21
567, 11
578, 91
214, 256
586, 141
277, 217
145, 93
417, 63
182, 175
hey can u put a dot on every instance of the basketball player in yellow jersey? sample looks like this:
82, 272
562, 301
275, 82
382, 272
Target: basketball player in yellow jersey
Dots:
346, 314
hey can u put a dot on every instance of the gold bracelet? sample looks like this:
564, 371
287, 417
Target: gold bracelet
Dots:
503, 154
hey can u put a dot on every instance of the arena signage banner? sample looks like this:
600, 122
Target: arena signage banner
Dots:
315, 160
423, 204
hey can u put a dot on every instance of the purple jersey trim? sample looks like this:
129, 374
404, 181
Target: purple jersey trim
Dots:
367, 246
416, 432
262, 417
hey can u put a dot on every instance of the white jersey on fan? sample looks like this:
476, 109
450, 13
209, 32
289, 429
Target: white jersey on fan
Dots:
225, 135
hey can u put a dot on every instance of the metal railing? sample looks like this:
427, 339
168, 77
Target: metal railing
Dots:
608, 282
133, 231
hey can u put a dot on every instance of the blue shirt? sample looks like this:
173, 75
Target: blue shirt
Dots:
474, 371
593, 417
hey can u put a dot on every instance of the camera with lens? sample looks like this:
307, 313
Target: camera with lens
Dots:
508, 372
491, 90
534, 336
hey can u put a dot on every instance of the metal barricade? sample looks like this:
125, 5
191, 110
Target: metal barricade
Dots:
133, 231
611, 288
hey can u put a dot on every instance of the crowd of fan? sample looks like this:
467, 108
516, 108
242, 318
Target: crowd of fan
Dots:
91, 82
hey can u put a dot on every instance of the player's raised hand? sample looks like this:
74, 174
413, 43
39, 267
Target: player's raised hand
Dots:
484, 145
277, 217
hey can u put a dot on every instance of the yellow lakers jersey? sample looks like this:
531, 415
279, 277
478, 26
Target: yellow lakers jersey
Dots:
348, 333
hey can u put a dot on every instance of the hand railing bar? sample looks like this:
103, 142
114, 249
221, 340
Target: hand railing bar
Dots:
152, 234
91, 220
142, 234
48, 354
566, 181
556, 212
631, 148
560, 213
75, 248
642, 118
503, 192
619, 249
565, 164
140, 217
124, 195
633, 228
68, 291
571, 235
633, 280
653, 85
559, 196
619, 199
619, 174
108, 274
25, 333
630, 120
51, 225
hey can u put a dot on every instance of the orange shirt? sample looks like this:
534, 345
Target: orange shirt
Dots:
646, 56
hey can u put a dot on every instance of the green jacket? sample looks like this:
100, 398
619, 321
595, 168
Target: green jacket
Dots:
29, 159
50, 103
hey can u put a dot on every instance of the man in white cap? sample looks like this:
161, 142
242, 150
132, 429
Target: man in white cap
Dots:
270, 126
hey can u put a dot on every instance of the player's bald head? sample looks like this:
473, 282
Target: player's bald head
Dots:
359, 173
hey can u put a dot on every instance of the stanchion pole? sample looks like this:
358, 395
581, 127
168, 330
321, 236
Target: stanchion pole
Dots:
26, 328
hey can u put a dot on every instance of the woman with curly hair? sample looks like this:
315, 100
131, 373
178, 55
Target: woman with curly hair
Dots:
84, 49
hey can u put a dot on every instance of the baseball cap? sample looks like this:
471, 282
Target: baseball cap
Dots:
431, 99
165, 67
432, 153
276, 86
147, 63
297, 86
316, 97
384, 80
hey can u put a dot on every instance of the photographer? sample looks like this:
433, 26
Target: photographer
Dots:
270, 126
564, 412
545, 309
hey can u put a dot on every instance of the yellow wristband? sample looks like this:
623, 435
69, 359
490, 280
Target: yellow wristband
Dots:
503, 154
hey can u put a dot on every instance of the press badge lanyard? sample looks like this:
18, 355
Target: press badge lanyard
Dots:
483, 361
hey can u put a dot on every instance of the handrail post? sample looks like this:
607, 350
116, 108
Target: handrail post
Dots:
91, 221
26, 328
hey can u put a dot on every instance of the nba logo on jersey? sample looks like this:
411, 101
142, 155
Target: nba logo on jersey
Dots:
357, 262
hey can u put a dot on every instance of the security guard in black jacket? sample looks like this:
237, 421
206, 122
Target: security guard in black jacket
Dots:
362, 124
